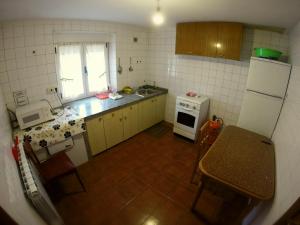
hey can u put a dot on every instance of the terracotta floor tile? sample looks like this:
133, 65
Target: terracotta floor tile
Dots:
144, 180
168, 213
130, 215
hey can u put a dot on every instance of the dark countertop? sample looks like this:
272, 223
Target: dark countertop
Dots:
242, 160
92, 106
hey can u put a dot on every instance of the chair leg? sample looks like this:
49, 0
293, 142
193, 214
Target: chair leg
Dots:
195, 168
80, 181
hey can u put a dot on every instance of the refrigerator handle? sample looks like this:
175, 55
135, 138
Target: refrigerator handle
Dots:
274, 96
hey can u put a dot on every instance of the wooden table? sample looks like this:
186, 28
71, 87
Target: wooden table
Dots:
243, 162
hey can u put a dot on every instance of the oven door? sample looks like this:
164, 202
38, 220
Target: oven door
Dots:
186, 119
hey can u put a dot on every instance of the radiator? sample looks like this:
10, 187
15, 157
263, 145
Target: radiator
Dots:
35, 191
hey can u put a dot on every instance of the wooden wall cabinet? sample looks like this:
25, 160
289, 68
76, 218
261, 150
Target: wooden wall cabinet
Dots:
212, 39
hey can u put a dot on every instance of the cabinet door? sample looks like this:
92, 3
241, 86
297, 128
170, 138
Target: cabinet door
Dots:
160, 105
113, 126
96, 136
206, 37
130, 121
230, 40
146, 114
185, 38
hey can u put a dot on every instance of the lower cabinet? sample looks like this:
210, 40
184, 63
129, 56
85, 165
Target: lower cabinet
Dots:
96, 135
114, 127
147, 114
130, 121
151, 111
160, 105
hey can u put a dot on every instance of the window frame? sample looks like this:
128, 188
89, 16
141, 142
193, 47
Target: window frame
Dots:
82, 45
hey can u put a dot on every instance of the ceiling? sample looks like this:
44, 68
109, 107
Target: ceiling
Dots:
278, 13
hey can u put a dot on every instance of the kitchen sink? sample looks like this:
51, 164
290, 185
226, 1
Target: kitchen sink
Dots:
143, 92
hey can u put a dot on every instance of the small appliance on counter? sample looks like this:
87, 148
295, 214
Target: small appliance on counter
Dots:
33, 114
190, 114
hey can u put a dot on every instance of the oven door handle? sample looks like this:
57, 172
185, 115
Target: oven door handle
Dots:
187, 109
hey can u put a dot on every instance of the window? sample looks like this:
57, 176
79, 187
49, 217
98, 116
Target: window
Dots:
83, 70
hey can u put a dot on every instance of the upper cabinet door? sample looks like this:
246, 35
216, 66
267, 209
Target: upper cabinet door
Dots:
185, 38
206, 37
229, 40
213, 39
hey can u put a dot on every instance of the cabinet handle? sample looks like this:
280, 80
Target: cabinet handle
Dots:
130, 107
100, 119
125, 118
120, 119
112, 114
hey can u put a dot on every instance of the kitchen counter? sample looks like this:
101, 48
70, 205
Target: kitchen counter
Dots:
70, 121
92, 106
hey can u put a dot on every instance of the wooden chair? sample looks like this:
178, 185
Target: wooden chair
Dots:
203, 142
56, 167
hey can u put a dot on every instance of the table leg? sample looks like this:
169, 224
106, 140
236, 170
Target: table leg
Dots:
251, 204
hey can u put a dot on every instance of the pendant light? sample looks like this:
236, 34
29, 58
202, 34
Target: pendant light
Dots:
158, 18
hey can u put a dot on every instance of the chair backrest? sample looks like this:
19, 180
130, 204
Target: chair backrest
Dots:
29, 151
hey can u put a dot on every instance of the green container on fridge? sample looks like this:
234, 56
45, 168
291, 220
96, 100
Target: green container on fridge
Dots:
267, 53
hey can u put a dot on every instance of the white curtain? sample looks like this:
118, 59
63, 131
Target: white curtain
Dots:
71, 71
96, 67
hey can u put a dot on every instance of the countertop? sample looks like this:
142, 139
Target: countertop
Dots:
242, 160
92, 106
70, 121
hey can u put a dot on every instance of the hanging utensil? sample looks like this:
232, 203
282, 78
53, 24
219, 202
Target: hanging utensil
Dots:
120, 69
130, 67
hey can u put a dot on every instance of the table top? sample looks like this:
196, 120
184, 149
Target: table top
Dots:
242, 160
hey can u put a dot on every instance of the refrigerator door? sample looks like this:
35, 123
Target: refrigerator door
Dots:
259, 113
268, 76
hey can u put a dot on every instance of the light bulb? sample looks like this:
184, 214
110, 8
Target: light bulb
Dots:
158, 18
218, 45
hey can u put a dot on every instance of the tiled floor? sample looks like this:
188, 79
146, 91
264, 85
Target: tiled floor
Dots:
142, 181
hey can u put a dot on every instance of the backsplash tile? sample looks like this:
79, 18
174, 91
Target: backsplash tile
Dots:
20, 68
223, 81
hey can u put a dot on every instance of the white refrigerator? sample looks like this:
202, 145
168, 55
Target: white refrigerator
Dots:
265, 92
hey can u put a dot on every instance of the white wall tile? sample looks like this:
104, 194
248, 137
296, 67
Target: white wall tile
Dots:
27, 47
287, 142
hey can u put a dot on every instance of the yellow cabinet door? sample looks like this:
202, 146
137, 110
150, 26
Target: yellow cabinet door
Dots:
130, 121
95, 133
147, 113
160, 105
113, 126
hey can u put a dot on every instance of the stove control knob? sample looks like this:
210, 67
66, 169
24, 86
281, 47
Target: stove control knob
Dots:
187, 105
194, 107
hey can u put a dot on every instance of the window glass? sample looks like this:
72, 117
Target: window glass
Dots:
71, 71
96, 67
82, 70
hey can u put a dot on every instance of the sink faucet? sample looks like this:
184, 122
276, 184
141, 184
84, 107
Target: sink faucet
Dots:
152, 81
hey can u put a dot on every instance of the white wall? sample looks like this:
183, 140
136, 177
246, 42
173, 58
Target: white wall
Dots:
12, 198
20, 69
287, 142
222, 80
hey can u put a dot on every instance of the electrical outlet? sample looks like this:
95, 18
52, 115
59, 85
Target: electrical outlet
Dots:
138, 60
51, 90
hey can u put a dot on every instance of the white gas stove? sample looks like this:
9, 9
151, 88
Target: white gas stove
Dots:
190, 114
